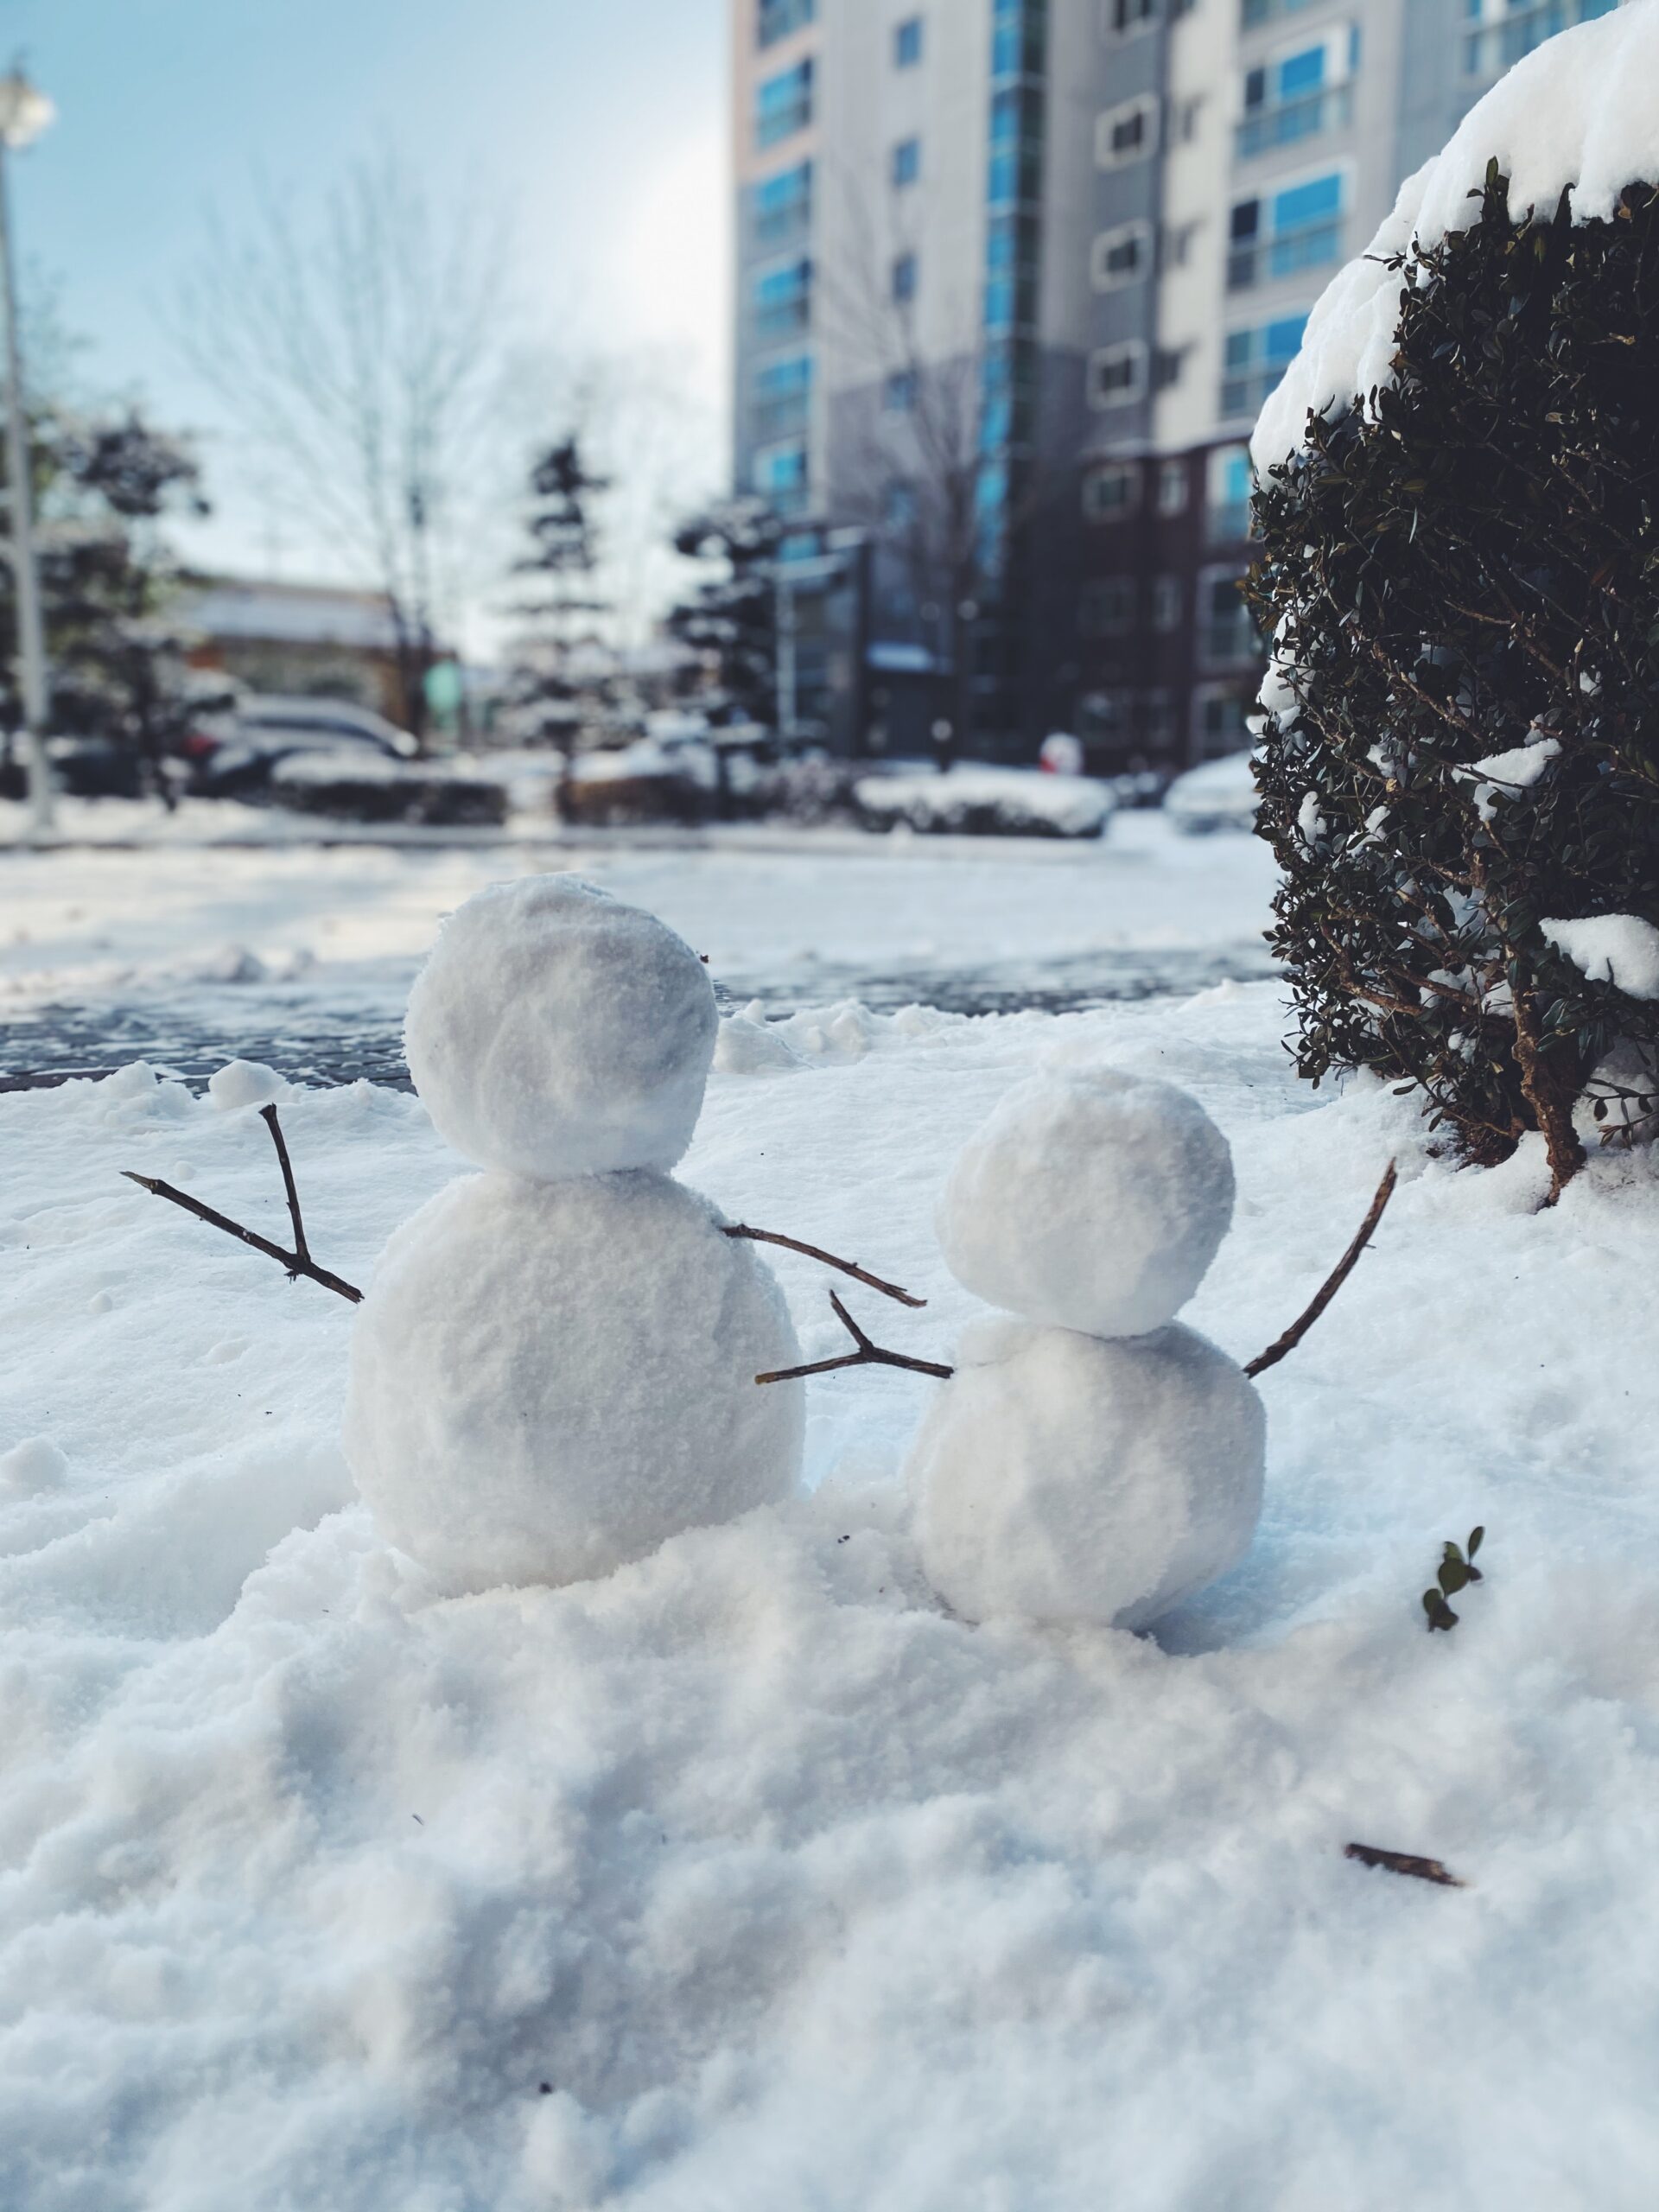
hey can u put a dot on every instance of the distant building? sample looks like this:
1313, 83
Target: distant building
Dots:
304, 640
1093, 229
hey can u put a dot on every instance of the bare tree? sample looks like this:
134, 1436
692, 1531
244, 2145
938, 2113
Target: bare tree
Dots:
914, 472
360, 359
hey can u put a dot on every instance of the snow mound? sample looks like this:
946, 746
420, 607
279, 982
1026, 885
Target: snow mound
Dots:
1091, 1200
549, 1379
1579, 110
987, 802
556, 1032
1066, 1477
1618, 949
245, 1083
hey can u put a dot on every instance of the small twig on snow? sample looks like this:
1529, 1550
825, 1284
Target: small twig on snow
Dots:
298, 1262
817, 1252
1334, 1282
867, 1355
1403, 1862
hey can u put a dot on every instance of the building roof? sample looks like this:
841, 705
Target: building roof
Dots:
260, 611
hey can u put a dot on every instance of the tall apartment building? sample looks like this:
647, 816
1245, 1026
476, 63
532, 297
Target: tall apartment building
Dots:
1014, 277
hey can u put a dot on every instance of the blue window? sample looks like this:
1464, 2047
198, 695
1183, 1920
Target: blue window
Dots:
777, 18
783, 396
904, 278
1298, 228
899, 393
781, 477
783, 205
1255, 359
899, 505
907, 43
1301, 72
784, 104
906, 161
783, 301
1302, 204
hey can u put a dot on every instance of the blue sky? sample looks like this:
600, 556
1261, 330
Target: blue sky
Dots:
599, 124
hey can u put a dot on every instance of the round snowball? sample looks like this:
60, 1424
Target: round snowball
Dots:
556, 1031
1090, 1200
549, 1379
1062, 1477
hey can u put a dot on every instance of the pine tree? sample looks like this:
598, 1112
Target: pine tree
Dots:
552, 696
731, 622
119, 663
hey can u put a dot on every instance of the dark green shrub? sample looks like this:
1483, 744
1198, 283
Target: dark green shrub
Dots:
1468, 568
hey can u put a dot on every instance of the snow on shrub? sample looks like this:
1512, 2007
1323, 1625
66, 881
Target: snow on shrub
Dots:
1460, 572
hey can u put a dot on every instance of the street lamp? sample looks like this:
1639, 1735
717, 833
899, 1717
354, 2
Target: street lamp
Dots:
24, 113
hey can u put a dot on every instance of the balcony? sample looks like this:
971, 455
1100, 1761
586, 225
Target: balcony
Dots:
1253, 13
1244, 392
1229, 639
1263, 261
1227, 523
1489, 50
1286, 123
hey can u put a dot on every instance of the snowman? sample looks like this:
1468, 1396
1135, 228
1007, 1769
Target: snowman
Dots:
1092, 1459
554, 1368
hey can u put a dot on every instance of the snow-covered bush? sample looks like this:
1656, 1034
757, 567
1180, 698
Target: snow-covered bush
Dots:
1460, 570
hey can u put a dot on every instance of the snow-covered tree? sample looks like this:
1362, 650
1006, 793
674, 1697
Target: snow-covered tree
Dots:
731, 621
1460, 571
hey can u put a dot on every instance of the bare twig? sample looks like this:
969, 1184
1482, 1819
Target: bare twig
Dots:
1334, 1282
867, 1355
1403, 1862
297, 1263
267, 1116
817, 1252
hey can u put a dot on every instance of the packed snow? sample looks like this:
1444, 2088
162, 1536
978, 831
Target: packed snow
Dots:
1066, 1477
240, 1083
557, 1030
1017, 802
549, 1379
1620, 948
1091, 1199
750, 1873
1579, 110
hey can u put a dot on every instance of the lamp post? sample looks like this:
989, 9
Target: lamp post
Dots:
24, 113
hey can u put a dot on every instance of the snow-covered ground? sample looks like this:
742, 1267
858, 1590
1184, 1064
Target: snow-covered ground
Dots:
748, 1878
173, 947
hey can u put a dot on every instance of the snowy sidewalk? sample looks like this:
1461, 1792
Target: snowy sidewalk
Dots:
748, 1880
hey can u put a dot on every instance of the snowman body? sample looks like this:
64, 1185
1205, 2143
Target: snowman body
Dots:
1093, 1460
554, 1368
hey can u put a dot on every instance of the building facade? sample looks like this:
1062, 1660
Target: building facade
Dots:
1014, 278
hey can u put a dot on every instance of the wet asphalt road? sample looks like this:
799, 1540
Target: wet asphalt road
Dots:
310, 1040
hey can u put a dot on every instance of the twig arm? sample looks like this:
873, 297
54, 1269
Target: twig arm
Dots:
1332, 1283
829, 1259
1404, 1862
267, 1116
868, 1354
292, 1260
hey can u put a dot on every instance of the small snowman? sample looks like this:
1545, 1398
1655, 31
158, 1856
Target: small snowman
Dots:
553, 1370
1092, 1460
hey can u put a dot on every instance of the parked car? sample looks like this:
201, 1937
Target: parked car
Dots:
237, 752
354, 783
1220, 795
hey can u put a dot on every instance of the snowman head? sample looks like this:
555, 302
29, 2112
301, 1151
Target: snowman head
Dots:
556, 1032
1090, 1200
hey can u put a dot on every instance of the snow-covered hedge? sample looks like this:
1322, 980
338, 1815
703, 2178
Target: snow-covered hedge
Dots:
1460, 570
986, 802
